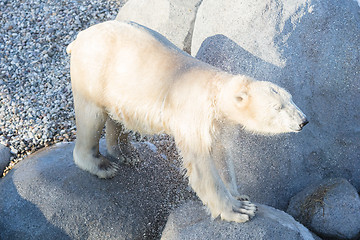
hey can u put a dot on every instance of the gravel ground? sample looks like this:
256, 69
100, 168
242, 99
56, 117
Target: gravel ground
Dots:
36, 105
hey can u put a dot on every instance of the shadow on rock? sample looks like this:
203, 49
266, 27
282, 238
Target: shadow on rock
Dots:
215, 50
21, 219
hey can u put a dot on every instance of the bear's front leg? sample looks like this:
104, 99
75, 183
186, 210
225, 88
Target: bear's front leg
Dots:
90, 120
206, 182
225, 166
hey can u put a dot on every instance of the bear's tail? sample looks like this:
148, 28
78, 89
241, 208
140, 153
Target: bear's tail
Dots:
68, 49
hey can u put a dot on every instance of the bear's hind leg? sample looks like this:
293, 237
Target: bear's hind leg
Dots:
118, 144
113, 130
90, 120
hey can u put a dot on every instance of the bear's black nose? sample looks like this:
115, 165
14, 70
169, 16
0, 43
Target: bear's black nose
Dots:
303, 123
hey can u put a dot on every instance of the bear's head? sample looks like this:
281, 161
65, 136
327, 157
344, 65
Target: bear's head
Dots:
260, 106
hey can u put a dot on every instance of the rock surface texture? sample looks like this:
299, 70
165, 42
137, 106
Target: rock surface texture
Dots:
4, 157
173, 19
331, 209
47, 197
191, 221
311, 48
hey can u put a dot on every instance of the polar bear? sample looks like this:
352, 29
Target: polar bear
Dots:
128, 77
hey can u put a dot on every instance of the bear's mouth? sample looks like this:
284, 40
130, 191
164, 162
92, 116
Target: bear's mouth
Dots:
301, 126
296, 129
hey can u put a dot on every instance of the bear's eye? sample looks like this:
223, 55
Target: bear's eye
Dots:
274, 91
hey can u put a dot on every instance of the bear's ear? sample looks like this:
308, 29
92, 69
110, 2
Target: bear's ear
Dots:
236, 91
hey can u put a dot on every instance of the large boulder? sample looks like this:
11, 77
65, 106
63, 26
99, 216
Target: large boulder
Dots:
191, 221
330, 208
47, 197
311, 48
173, 19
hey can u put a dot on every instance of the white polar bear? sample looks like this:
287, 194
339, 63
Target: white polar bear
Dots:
128, 76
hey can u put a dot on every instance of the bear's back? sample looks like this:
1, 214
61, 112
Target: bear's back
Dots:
135, 73
127, 33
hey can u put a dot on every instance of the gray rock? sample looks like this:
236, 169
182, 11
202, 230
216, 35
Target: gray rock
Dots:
4, 158
330, 208
173, 19
311, 48
191, 221
47, 197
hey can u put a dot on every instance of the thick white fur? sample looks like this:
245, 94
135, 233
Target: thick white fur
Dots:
132, 77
